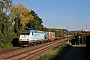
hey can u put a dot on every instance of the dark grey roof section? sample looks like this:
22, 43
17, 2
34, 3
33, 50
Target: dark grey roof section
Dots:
25, 31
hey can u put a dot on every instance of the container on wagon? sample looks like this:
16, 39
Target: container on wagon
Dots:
51, 36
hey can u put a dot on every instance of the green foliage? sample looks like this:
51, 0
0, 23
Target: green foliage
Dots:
36, 23
83, 37
6, 32
6, 40
45, 29
17, 26
59, 32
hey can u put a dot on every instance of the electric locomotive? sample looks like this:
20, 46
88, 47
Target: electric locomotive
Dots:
29, 37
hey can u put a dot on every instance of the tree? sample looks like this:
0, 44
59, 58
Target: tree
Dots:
6, 33
5, 5
58, 32
22, 13
17, 26
36, 23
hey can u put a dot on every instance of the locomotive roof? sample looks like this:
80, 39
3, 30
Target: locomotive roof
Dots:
28, 31
25, 31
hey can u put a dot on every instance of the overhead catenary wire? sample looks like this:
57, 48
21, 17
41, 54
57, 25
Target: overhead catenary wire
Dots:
42, 14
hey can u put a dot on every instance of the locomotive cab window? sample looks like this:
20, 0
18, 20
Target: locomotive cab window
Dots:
24, 33
27, 33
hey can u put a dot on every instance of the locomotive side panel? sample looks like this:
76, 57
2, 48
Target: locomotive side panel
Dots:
39, 35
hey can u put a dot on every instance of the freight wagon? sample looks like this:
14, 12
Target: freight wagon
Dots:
64, 35
29, 37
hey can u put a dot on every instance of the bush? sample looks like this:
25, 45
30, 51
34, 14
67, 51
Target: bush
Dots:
6, 41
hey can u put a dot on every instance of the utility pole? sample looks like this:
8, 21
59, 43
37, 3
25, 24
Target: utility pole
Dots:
68, 29
68, 32
86, 26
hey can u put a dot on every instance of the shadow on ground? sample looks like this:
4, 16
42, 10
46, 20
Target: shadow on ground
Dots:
74, 53
62, 52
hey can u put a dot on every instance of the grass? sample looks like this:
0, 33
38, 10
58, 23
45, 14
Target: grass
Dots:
84, 44
57, 53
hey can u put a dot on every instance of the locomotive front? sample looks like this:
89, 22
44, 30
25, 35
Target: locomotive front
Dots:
24, 37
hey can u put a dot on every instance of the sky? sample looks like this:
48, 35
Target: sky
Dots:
61, 14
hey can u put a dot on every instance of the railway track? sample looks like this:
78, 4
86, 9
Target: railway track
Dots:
9, 50
29, 52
